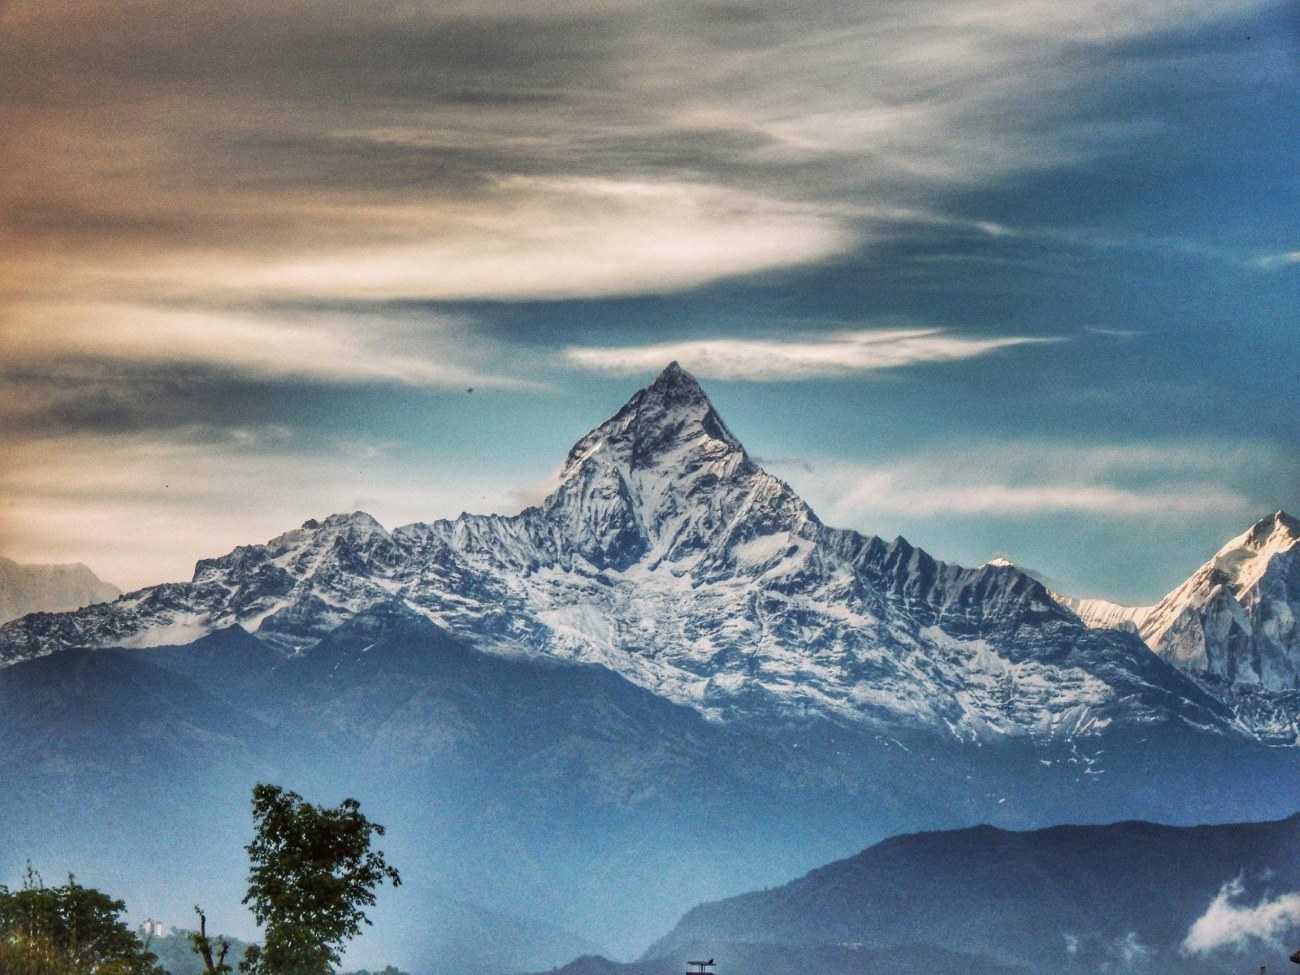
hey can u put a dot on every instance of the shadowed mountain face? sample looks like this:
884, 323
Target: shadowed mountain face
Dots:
1126, 897
668, 682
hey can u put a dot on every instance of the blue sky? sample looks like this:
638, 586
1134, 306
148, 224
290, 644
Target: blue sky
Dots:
1014, 278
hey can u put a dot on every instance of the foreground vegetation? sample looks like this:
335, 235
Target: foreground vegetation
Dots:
312, 873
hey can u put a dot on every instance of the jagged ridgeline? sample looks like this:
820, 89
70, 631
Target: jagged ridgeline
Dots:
667, 682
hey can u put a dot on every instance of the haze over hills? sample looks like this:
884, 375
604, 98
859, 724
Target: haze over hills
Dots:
1127, 897
49, 588
667, 682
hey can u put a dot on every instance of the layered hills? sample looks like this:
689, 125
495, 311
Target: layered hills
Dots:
1125, 897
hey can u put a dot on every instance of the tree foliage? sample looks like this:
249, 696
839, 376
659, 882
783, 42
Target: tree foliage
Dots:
312, 872
68, 930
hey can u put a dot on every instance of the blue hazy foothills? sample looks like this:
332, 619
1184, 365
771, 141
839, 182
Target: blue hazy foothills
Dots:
1005, 281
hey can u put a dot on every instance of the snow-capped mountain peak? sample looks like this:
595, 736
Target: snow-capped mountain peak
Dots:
1234, 625
671, 419
48, 588
1245, 559
664, 480
669, 557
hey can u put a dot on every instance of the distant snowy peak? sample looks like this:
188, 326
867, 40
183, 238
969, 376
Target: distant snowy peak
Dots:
1236, 617
1232, 624
1246, 560
48, 588
290, 591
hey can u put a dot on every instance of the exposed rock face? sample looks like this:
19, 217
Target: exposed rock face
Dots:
1235, 618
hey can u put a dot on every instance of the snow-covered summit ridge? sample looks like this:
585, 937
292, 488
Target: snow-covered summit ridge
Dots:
661, 483
1245, 560
668, 556
667, 472
672, 417
1232, 624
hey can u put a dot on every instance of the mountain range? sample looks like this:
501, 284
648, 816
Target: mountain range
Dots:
667, 556
668, 681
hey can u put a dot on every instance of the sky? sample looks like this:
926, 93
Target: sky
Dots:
1015, 278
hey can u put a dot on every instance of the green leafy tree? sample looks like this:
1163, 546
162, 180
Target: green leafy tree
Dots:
312, 872
68, 930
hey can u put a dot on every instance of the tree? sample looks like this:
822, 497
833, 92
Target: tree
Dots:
312, 873
202, 946
68, 930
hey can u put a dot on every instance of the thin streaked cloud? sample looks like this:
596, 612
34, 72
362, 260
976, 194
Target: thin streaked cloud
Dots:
1279, 260
557, 238
834, 356
268, 345
1163, 482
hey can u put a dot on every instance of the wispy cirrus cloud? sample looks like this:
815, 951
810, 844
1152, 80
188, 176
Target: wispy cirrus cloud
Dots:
1229, 922
461, 150
834, 355
1283, 259
265, 344
555, 238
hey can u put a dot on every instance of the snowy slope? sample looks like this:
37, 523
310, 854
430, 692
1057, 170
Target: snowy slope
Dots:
1105, 615
668, 556
1232, 624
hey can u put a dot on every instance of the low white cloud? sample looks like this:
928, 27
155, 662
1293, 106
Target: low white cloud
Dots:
825, 356
1230, 923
